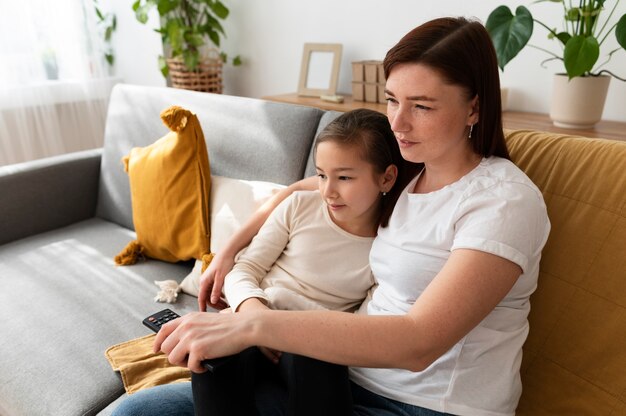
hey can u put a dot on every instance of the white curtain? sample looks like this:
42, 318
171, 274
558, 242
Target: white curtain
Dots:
54, 80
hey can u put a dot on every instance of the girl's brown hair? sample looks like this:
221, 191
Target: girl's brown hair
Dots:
370, 134
461, 51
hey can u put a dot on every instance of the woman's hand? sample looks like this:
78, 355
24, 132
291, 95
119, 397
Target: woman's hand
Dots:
252, 304
212, 281
197, 336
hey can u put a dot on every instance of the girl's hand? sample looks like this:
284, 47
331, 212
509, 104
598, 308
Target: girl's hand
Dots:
272, 355
212, 281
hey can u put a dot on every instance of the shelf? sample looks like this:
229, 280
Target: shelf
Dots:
515, 120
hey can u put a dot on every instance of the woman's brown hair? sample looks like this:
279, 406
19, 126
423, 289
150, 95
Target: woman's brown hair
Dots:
461, 51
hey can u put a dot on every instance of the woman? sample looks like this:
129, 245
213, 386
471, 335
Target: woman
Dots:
443, 331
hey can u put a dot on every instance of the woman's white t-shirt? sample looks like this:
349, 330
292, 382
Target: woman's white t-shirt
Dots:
496, 209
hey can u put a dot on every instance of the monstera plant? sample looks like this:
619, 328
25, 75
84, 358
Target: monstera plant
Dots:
585, 27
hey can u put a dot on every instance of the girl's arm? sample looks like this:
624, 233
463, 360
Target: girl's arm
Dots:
212, 279
466, 290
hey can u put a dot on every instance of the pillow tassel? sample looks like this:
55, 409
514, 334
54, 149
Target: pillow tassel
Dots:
206, 260
125, 161
130, 254
175, 118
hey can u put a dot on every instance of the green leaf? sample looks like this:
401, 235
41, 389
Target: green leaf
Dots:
580, 55
175, 35
237, 60
141, 14
195, 39
213, 24
215, 37
109, 58
191, 59
563, 37
573, 14
509, 33
620, 31
99, 14
166, 6
219, 9
107, 33
136, 5
165, 70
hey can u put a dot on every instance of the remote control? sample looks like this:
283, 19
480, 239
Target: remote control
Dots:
157, 320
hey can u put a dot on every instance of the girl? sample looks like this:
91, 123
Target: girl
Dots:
312, 253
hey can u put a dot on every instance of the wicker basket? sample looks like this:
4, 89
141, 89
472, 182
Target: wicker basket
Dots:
207, 77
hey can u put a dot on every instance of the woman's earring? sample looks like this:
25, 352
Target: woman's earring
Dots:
470, 132
384, 193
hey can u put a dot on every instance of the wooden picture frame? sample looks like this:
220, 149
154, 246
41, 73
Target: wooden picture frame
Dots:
319, 72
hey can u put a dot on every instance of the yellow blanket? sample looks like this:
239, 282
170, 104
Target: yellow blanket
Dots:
140, 368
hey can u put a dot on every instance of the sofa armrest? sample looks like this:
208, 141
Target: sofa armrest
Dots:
49, 193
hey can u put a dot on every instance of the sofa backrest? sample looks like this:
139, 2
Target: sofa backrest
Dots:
575, 356
327, 117
246, 138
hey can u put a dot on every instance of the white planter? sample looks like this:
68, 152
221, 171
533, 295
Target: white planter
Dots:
579, 102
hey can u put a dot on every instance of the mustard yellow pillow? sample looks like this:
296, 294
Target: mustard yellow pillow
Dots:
170, 185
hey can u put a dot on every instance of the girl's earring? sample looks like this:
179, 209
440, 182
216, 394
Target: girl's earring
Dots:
470, 132
384, 193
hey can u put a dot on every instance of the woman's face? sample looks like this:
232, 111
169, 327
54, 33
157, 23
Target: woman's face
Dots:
429, 117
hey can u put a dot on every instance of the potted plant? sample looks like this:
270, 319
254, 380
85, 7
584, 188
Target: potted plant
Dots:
108, 23
586, 27
191, 32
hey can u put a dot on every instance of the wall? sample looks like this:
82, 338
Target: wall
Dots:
269, 34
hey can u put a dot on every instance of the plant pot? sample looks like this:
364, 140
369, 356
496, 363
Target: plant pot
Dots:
207, 77
578, 103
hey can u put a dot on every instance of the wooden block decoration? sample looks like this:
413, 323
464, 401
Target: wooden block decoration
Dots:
371, 92
368, 81
358, 74
381, 94
358, 91
371, 71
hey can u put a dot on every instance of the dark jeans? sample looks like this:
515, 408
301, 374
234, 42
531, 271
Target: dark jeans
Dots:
297, 386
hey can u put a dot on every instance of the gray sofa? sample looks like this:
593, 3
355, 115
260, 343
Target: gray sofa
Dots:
63, 219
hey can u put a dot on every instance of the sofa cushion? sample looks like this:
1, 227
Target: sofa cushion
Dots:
71, 303
248, 138
170, 183
575, 355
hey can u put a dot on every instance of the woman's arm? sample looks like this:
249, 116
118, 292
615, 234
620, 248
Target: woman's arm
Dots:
212, 279
466, 290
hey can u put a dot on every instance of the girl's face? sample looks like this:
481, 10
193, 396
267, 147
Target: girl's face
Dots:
350, 187
429, 117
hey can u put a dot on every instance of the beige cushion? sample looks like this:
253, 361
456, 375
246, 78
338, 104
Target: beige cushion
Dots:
231, 204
